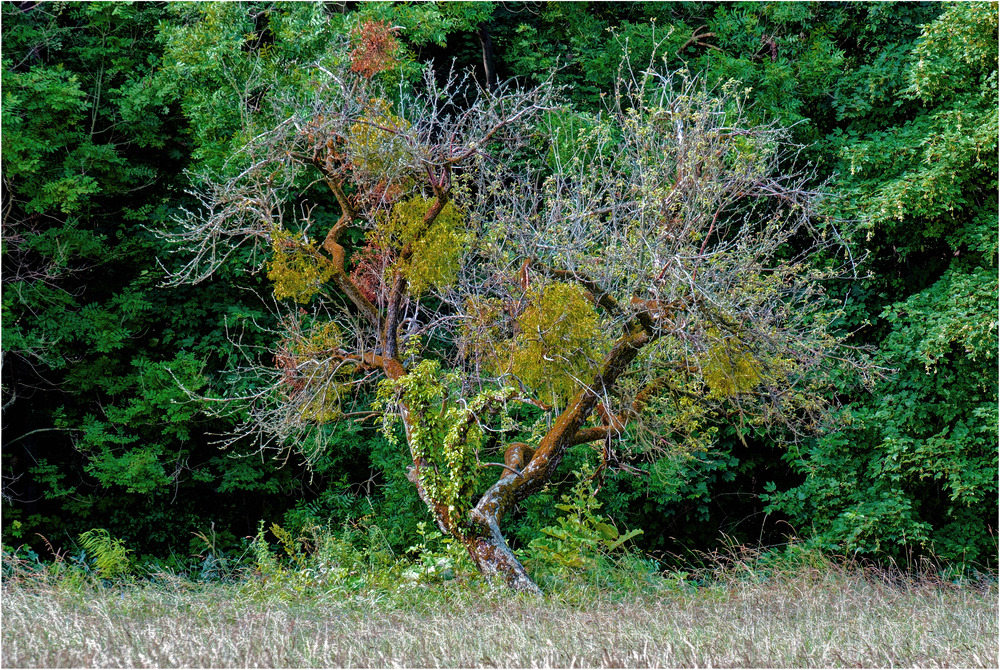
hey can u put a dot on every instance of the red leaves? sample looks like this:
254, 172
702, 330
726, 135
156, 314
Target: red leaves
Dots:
384, 193
371, 263
375, 48
286, 361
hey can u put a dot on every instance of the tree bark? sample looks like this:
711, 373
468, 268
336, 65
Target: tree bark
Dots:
494, 558
489, 62
486, 544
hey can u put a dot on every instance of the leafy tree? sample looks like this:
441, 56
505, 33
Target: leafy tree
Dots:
95, 426
84, 142
646, 275
791, 57
917, 466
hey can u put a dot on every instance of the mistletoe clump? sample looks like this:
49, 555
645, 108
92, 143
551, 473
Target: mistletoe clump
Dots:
554, 342
730, 370
433, 253
375, 143
312, 372
297, 268
560, 342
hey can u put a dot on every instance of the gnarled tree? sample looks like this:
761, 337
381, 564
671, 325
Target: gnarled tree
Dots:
629, 283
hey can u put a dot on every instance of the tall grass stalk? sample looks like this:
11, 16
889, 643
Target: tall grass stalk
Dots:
802, 616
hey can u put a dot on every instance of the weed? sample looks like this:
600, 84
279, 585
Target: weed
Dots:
108, 554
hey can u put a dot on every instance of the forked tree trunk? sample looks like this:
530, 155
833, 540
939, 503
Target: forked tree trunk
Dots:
480, 533
491, 554
486, 544
483, 540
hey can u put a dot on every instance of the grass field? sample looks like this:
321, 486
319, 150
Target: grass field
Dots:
802, 617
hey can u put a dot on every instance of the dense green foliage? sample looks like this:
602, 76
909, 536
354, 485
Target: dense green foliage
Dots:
106, 105
920, 455
96, 424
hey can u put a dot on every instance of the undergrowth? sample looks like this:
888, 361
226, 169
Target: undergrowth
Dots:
318, 596
322, 601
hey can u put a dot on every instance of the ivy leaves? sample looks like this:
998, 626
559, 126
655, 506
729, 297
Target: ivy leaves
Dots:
444, 431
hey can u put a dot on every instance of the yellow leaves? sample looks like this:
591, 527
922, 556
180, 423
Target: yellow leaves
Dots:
436, 258
297, 268
436, 250
557, 343
375, 144
730, 370
313, 372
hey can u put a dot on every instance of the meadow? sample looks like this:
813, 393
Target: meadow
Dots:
741, 611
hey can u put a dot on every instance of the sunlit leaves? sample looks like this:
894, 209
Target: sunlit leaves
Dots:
551, 341
956, 51
560, 342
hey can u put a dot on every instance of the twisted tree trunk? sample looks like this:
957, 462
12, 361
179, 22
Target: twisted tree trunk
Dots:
494, 558
486, 544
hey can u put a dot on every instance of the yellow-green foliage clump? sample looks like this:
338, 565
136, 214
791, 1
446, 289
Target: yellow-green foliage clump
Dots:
558, 340
108, 553
436, 250
374, 144
297, 268
323, 404
730, 370
314, 372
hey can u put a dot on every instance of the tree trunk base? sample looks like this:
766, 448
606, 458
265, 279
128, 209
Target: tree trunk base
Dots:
497, 562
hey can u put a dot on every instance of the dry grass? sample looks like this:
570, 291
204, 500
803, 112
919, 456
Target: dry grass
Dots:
805, 617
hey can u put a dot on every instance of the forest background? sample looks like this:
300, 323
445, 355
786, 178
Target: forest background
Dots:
107, 105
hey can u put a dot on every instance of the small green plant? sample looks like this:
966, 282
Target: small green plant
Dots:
109, 555
214, 564
317, 560
17, 563
436, 557
582, 537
